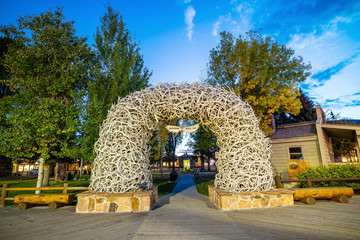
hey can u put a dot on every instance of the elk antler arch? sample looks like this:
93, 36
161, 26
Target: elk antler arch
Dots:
122, 150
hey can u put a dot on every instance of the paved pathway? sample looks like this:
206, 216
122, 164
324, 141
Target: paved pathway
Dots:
185, 214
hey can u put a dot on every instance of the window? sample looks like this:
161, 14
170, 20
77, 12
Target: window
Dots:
295, 153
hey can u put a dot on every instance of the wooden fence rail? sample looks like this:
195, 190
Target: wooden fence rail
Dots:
64, 189
310, 180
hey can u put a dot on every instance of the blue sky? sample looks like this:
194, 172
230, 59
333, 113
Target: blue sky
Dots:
176, 36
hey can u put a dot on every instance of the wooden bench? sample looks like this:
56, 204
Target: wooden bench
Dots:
54, 200
338, 194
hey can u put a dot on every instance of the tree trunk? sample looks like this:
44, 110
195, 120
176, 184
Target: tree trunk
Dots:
51, 171
173, 167
173, 159
40, 175
202, 163
209, 169
57, 172
173, 153
81, 166
161, 166
46, 175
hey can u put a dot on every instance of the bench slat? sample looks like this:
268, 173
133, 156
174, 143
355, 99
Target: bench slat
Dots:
44, 198
322, 193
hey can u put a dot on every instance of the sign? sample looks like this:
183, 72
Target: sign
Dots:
181, 128
173, 129
192, 128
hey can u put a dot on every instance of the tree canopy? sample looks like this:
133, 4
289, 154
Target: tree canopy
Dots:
261, 71
48, 68
306, 113
157, 144
204, 144
119, 71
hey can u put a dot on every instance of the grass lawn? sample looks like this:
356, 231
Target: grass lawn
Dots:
202, 181
13, 183
164, 186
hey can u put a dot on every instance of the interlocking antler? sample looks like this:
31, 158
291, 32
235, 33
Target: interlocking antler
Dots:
122, 159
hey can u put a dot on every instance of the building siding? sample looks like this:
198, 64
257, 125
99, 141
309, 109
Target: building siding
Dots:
280, 152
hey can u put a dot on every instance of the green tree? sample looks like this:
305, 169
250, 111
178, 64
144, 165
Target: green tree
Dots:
259, 70
5, 102
158, 143
48, 68
343, 147
204, 145
173, 141
307, 112
119, 71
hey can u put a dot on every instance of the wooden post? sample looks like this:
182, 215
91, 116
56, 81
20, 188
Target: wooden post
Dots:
24, 205
308, 183
4, 194
308, 200
341, 199
55, 205
278, 181
66, 185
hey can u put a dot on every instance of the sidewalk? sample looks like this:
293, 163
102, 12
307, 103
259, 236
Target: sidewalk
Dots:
185, 214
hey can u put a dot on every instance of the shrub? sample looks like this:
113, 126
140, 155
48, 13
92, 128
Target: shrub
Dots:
334, 171
83, 177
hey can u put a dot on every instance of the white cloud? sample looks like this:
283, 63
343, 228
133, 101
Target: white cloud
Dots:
226, 22
334, 23
325, 48
189, 17
238, 21
351, 112
341, 87
216, 28
239, 8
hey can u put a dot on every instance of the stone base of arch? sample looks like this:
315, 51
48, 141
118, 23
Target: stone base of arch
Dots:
139, 201
234, 201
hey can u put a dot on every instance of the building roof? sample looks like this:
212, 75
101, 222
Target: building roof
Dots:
295, 130
345, 122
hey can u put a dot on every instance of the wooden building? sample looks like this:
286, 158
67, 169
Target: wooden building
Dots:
311, 142
24, 167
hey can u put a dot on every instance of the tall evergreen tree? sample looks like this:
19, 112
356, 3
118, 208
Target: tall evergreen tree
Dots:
119, 71
307, 112
48, 70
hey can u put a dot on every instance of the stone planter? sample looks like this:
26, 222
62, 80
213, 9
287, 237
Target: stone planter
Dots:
233, 201
140, 201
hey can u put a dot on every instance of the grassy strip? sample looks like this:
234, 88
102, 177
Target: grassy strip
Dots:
32, 183
164, 186
202, 181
